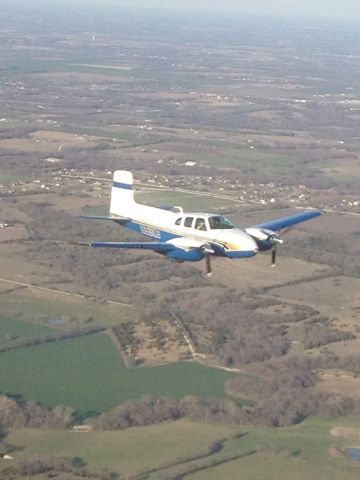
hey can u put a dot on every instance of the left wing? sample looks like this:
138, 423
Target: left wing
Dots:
162, 247
116, 219
180, 249
182, 243
281, 223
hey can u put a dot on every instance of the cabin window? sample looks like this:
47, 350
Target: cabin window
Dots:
200, 224
178, 221
219, 222
188, 221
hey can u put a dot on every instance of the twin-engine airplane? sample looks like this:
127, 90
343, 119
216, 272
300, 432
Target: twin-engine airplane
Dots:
191, 236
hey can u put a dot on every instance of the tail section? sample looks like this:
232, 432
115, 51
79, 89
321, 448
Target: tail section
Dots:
122, 194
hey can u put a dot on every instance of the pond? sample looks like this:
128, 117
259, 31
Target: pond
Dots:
354, 453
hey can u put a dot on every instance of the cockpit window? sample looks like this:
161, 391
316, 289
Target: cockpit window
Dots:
200, 224
188, 221
219, 222
178, 221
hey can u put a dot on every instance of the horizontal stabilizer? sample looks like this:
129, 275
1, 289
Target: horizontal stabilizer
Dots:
280, 223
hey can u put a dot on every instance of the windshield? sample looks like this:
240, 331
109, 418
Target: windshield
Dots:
219, 222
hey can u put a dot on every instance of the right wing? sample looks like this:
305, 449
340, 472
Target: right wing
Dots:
281, 223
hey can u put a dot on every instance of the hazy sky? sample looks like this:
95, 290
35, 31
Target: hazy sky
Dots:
314, 8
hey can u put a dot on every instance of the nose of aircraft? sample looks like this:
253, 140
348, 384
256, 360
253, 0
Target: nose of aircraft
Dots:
241, 245
252, 245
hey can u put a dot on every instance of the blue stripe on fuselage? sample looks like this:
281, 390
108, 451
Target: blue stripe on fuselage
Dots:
150, 231
240, 254
164, 236
125, 186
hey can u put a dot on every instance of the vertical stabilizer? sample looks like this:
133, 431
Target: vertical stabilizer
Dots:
122, 194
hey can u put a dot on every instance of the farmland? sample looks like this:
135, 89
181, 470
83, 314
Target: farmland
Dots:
62, 309
89, 375
183, 446
11, 328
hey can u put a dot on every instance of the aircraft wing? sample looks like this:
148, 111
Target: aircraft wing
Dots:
180, 248
284, 222
162, 247
120, 220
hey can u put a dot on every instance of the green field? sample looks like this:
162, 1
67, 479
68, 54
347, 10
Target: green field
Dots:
4, 179
62, 311
189, 201
301, 452
129, 451
88, 374
12, 328
121, 134
257, 160
170, 198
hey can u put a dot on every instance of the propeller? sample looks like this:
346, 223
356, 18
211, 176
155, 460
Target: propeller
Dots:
275, 240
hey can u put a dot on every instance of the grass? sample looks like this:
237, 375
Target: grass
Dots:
12, 328
5, 179
157, 198
127, 451
123, 134
245, 158
300, 452
186, 200
48, 307
88, 374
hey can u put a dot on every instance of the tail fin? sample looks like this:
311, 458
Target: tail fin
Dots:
122, 193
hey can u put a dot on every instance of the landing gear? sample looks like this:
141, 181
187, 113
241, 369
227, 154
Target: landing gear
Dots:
208, 269
273, 256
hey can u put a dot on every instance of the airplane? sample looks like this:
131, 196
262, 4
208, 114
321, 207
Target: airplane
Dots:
190, 236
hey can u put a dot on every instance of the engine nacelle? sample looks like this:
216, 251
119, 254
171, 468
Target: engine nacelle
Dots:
181, 255
264, 237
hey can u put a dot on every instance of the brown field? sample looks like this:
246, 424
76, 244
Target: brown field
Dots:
28, 145
339, 381
336, 293
12, 233
256, 273
100, 77
347, 432
349, 347
62, 137
113, 67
